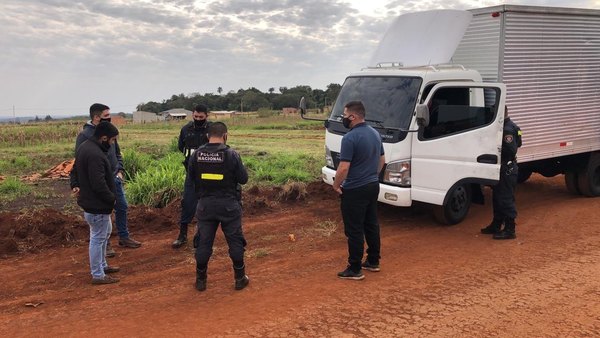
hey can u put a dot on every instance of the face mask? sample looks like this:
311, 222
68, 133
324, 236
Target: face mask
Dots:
199, 123
105, 145
346, 122
105, 120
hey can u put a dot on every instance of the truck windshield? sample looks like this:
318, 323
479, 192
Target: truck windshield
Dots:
389, 101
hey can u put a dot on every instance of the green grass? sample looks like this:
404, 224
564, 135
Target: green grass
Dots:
275, 149
11, 188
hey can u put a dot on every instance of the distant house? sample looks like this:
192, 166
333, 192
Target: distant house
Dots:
222, 114
146, 117
290, 111
117, 120
176, 114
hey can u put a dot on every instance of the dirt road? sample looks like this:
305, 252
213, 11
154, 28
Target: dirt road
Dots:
435, 281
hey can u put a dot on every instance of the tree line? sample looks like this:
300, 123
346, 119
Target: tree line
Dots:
250, 99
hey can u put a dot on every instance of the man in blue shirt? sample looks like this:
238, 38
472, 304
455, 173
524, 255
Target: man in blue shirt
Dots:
357, 181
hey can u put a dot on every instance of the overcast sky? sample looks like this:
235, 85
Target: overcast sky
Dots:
60, 56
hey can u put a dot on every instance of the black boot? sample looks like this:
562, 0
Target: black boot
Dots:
200, 279
509, 230
241, 280
182, 238
493, 228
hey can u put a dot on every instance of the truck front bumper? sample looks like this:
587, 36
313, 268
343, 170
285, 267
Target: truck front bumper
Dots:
388, 194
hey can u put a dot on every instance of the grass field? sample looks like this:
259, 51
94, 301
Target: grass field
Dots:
276, 150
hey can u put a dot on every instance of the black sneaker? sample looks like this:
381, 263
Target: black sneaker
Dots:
349, 274
242, 282
370, 267
504, 235
179, 242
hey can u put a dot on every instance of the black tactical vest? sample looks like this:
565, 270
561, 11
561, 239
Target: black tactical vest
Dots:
214, 174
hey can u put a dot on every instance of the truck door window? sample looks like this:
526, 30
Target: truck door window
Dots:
458, 109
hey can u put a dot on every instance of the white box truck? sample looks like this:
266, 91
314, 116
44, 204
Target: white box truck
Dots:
436, 90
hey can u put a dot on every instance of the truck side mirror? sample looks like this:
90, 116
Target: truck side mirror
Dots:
422, 115
302, 106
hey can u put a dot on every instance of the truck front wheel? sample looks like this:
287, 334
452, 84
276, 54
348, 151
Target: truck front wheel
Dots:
589, 177
456, 207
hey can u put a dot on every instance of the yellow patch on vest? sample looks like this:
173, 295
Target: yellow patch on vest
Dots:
213, 177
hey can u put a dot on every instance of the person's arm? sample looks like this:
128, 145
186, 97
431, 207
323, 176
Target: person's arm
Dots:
241, 174
340, 176
181, 143
74, 180
381, 164
120, 166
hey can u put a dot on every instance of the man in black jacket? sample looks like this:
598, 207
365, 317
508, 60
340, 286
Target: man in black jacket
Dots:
92, 180
217, 171
101, 113
191, 137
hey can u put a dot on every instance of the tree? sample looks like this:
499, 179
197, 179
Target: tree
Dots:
48, 118
219, 90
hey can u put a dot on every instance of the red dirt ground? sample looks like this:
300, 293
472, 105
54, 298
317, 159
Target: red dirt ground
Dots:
435, 281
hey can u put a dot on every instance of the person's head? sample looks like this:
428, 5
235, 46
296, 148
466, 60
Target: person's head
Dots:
354, 113
106, 133
99, 113
217, 132
199, 115
505, 111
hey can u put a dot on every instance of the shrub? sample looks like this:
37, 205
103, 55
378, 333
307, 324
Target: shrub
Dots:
159, 184
135, 162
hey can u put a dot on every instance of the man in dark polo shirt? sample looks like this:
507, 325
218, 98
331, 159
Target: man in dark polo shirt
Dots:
357, 181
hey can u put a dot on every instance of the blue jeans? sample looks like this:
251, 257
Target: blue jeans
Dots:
100, 229
121, 210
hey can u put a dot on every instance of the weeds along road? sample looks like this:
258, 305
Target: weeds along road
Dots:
435, 281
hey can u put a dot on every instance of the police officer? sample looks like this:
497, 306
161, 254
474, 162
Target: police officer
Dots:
191, 137
217, 171
503, 194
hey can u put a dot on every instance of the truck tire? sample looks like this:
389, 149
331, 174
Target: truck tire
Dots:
456, 207
572, 182
589, 178
523, 175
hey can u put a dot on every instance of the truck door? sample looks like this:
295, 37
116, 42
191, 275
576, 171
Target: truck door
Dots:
460, 146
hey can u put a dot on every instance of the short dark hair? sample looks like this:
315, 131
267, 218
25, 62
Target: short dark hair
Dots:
217, 129
201, 109
96, 109
356, 107
105, 129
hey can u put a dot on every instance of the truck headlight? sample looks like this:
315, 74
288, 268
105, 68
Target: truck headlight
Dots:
397, 173
328, 158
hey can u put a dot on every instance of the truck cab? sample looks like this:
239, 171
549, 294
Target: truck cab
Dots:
441, 128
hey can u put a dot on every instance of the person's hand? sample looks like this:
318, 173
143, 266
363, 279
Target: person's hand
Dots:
120, 175
337, 189
75, 191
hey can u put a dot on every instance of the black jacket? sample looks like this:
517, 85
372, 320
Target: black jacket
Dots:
192, 138
94, 176
114, 153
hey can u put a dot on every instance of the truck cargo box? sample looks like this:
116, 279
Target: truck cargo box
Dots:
549, 59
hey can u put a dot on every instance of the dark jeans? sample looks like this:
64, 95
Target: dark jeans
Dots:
189, 201
359, 211
503, 193
211, 212
121, 210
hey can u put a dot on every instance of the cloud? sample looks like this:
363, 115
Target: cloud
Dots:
129, 51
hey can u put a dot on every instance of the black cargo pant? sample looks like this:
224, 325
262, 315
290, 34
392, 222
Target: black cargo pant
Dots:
211, 212
503, 193
359, 212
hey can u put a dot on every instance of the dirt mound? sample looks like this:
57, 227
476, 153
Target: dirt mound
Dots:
34, 230
145, 219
